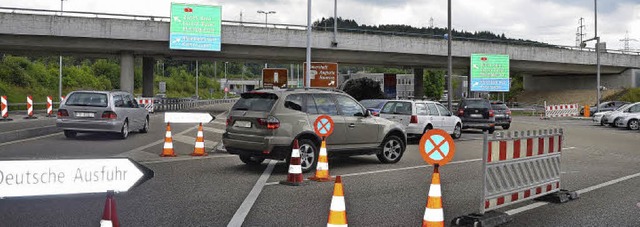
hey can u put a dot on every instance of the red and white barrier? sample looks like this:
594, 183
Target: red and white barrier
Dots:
562, 110
5, 107
147, 103
49, 106
30, 107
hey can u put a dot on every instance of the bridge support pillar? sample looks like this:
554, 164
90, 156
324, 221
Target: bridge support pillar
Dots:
126, 72
418, 81
147, 76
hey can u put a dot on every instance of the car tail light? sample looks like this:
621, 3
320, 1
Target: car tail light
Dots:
414, 119
109, 115
491, 113
271, 122
460, 112
229, 121
63, 113
375, 114
508, 112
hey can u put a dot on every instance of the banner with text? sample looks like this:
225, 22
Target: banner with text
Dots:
323, 74
195, 27
489, 72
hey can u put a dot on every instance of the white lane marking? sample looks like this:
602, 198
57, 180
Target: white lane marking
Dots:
393, 170
243, 210
526, 208
187, 159
568, 148
567, 172
581, 191
29, 139
214, 130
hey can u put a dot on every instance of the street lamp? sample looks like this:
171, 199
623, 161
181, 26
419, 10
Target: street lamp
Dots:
226, 81
266, 16
60, 65
597, 39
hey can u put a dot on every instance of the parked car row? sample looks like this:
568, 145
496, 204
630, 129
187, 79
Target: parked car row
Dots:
626, 116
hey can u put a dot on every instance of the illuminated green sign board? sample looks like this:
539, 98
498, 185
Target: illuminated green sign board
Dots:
489, 72
195, 27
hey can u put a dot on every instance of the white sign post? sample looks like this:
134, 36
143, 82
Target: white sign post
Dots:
21, 178
178, 117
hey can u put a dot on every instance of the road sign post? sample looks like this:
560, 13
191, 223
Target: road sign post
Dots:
23, 178
323, 127
436, 148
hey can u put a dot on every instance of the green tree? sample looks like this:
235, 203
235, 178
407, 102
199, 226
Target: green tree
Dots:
433, 83
363, 88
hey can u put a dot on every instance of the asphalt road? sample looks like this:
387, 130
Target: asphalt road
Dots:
216, 190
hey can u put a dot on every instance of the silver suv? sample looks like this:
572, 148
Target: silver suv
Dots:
264, 123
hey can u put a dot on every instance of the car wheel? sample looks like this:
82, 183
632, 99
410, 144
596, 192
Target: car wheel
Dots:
309, 153
457, 132
145, 128
615, 123
250, 160
124, 132
633, 124
505, 127
392, 150
70, 134
492, 129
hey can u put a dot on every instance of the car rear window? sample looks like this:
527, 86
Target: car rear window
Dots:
372, 103
397, 108
256, 102
500, 106
477, 104
87, 99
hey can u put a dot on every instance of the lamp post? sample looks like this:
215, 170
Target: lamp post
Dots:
308, 65
266, 16
449, 59
597, 39
226, 81
60, 63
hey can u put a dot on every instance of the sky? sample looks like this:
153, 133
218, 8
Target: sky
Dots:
550, 21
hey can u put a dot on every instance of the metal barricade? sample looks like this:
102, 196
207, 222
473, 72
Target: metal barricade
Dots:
519, 166
562, 110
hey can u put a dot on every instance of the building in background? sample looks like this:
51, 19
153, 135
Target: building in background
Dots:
404, 82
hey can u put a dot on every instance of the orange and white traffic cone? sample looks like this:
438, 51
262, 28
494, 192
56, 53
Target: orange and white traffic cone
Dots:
322, 168
4, 109
433, 214
338, 211
167, 149
109, 215
294, 178
198, 150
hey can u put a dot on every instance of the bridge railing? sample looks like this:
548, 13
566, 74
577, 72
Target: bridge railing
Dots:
301, 27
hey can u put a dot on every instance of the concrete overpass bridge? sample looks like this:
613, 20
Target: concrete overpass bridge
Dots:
129, 36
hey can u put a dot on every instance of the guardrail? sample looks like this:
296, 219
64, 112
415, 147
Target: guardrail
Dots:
298, 27
171, 104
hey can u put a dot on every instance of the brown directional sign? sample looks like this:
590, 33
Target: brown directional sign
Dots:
274, 78
323, 74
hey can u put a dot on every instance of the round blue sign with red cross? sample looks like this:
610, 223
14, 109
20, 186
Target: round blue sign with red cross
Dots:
323, 126
437, 147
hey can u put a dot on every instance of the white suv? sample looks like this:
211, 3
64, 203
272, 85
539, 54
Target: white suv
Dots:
419, 116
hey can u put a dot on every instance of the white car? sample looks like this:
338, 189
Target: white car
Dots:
629, 119
419, 116
597, 118
610, 118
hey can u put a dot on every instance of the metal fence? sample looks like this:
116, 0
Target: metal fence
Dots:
160, 105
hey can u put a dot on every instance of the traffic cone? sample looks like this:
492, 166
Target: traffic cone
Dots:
322, 169
433, 214
337, 212
109, 215
199, 148
167, 150
294, 178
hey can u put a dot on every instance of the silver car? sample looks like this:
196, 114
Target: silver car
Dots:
101, 111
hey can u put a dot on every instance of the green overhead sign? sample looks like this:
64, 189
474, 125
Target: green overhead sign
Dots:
489, 72
195, 27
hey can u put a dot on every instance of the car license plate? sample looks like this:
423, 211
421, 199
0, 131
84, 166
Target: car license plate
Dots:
85, 114
499, 115
242, 124
476, 115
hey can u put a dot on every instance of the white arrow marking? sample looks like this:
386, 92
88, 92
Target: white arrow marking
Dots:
332, 83
21, 178
175, 117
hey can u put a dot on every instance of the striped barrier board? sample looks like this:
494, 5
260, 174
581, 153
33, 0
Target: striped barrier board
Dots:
147, 103
562, 110
518, 166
